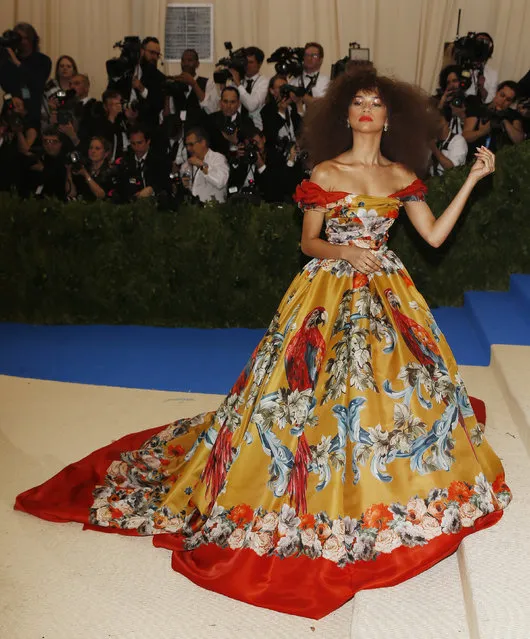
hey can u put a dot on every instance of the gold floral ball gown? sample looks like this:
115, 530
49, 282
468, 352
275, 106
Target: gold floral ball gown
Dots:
346, 456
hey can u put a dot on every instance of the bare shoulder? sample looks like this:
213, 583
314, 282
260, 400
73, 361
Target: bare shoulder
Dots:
402, 175
323, 173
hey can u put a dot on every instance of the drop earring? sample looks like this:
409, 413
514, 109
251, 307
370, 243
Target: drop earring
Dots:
385, 127
348, 125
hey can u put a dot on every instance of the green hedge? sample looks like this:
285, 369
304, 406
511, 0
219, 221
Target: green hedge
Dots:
228, 265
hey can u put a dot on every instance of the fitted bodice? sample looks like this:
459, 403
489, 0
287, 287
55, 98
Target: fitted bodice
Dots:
360, 219
364, 220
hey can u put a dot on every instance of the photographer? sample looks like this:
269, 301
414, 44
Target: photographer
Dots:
65, 70
474, 52
253, 87
227, 127
93, 180
314, 82
495, 125
281, 116
23, 69
187, 91
138, 79
451, 93
83, 109
112, 124
205, 172
259, 171
449, 149
47, 171
141, 173
23, 130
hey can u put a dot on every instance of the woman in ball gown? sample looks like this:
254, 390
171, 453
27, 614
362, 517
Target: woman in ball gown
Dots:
347, 455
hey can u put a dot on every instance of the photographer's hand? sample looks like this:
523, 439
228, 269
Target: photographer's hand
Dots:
236, 77
514, 130
13, 57
260, 162
131, 114
231, 138
446, 97
186, 78
283, 103
147, 192
293, 152
137, 85
69, 130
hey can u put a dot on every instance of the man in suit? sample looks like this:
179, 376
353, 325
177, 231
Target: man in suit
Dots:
145, 86
228, 127
187, 92
142, 173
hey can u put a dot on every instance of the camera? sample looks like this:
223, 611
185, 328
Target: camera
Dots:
251, 152
288, 61
236, 60
65, 105
287, 89
495, 118
176, 90
230, 126
10, 40
357, 57
125, 64
471, 51
133, 105
13, 119
73, 159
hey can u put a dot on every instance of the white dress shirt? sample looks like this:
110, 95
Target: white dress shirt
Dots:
211, 186
491, 79
212, 95
134, 93
254, 101
319, 87
455, 149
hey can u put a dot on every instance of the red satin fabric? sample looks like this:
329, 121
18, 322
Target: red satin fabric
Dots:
303, 586
311, 193
295, 585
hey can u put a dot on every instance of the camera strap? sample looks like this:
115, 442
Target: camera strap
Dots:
313, 79
194, 170
251, 175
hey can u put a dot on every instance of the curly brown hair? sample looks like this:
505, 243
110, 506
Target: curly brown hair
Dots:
326, 134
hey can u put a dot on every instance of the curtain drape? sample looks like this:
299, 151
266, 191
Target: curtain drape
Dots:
405, 38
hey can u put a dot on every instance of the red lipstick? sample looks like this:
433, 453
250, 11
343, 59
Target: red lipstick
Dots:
365, 118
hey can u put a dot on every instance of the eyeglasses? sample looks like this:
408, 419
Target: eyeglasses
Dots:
51, 141
156, 53
311, 55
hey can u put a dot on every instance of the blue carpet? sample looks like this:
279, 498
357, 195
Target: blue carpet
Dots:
209, 361
197, 360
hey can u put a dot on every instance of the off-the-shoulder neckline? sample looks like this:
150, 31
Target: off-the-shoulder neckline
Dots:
365, 195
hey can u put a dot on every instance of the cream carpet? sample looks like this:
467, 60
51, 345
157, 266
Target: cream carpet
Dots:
57, 582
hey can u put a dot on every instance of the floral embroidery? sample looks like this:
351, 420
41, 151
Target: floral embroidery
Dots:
380, 529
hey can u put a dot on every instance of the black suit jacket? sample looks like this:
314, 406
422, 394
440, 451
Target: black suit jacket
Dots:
153, 80
155, 174
215, 124
195, 115
273, 121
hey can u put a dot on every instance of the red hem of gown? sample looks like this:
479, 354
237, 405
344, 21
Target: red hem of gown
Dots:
321, 586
